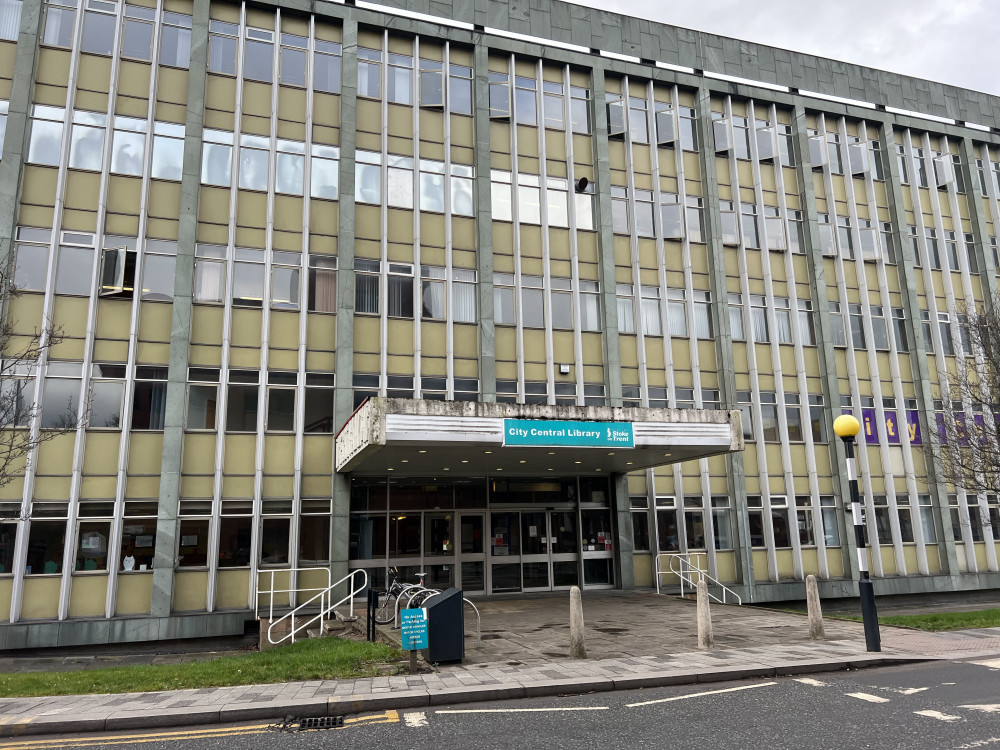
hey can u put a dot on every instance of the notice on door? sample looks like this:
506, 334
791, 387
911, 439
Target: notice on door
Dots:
556, 433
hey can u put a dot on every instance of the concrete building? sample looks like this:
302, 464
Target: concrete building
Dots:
249, 218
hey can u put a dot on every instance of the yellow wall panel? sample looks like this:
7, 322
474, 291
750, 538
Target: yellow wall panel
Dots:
246, 328
145, 450
135, 593
233, 589
52, 488
279, 451
199, 453
190, 591
40, 598
317, 454
206, 324
239, 456
87, 595
6, 589
155, 322
39, 185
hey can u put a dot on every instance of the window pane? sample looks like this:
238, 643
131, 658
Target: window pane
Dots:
528, 208
241, 410
368, 188
461, 197
193, 547
44, 145
400, 187
98, 33
432, 299
222, 54
234, 541
322, 290
210, 281
92, 545
366, 289
202, 405
562, 310
86, 148
149, 404
532, 309
293, 66
168, 158
281, 410
326, 73
590, 312
503, 306
106, 405
400, 85
216, 163
325, 178
464, 299
289, 174
248, 284
258, 60
314, 540
319, 410
253, 169
127, 152
431, 192
10, 23
46, 540
58, 26
400, 297
175, 46
73, 275
32, 264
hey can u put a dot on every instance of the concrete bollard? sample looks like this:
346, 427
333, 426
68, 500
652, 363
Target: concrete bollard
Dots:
577, 639
816, 630
706, 638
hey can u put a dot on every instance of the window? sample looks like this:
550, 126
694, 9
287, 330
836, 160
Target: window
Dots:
241, 407
528, 199
366, 287
779, 521
834, 153
730, 225
400, 290
203, 398
281, 401
525, 104
926, 510
769, 417
10, 24
694, 523
99, 28
925, 320
804, 520
786, 145
944, 325
767, 140
638, 126
880, 329
828, 510
782, 320
248, 277
626, 308
288, 167
671, 217
774, 229
210, 273
433, 286
883, 526
400, 75
579, 109
60, 18
651, 314
817, 418
75, 265
314, 532
500, 196
4, 106
616, 115
47, 124
128, 145
703, 314
793, 417
899, 329
216, 157
695, 219
905, 519
845, 241
222, 40
60, 403
619, 210
951, 250
87, 141
970, 242
285, 268
431, 83
293, 59
676, 309
562, 303
888, 243
499, 95
688, 132
168, 151
149, 398
640, 523
796, 243
235, 533
755, 520
722, 534
369, 73
319, 402
32, 261
254, 158
17, 395
532, 305
137, 34
118, 267
368, 177
552, 104
322, 283
326, 66
432, 179
325, 169
668, 539
175, 39
736, 317
745, 401
857, 326
107, 386
644, 213
827, 237
556, 202
837, 331
807, 331
758, 319
504, 312
590, 306
46, 540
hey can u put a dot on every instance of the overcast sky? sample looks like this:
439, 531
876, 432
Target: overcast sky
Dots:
952, 41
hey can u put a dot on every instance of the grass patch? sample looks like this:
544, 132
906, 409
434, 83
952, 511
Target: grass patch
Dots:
983, 618
314, 659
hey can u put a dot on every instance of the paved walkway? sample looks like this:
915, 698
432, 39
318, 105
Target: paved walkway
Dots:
654, 650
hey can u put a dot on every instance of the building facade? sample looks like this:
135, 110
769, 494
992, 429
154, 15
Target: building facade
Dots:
247, 219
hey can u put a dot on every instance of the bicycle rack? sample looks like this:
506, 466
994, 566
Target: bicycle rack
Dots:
430, 593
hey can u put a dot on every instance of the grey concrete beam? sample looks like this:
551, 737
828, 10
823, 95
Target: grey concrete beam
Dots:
344, 357
918, 351
164, 560
484, 228
827, 356
606, 242
726, 365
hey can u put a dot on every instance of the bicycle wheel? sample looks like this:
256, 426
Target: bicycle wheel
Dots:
385, 612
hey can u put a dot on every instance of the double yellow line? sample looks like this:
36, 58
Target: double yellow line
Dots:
388, 717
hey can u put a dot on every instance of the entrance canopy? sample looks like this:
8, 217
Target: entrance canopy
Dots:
415, 437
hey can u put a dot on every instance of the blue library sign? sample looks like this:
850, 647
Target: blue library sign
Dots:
413, 624
557, 433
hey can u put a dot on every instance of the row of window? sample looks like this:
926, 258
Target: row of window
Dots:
794, 408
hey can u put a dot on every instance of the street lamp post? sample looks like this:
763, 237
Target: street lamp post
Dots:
847, 428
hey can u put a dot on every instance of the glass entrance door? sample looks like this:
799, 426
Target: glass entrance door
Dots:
471, 552
550, 550
505, 552
535, 559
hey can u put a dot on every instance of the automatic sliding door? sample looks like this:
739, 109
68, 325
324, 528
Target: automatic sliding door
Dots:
471, 552
505, 551
535, 551
564, 548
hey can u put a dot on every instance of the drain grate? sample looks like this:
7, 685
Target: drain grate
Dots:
299, 724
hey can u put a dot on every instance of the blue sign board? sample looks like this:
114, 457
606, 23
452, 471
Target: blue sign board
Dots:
413, 624
554, 433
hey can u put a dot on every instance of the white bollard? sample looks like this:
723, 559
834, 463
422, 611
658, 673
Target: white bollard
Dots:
577, 639
816, 630
706, 639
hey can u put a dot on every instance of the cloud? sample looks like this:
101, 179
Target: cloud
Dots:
940, 40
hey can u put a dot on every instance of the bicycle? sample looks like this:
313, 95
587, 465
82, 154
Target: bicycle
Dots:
385, 611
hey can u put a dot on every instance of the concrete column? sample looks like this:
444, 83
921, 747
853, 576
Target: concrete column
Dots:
343, 405
824, 339
164, 561
918, 352
606, 242
577, 638
484, 227
816, 631
723, 332
623, 522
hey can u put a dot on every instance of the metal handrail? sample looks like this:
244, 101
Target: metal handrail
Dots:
681, 566
326, 605
271, 591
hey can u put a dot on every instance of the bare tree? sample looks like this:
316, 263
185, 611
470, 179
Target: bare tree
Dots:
19, 404
967, 430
